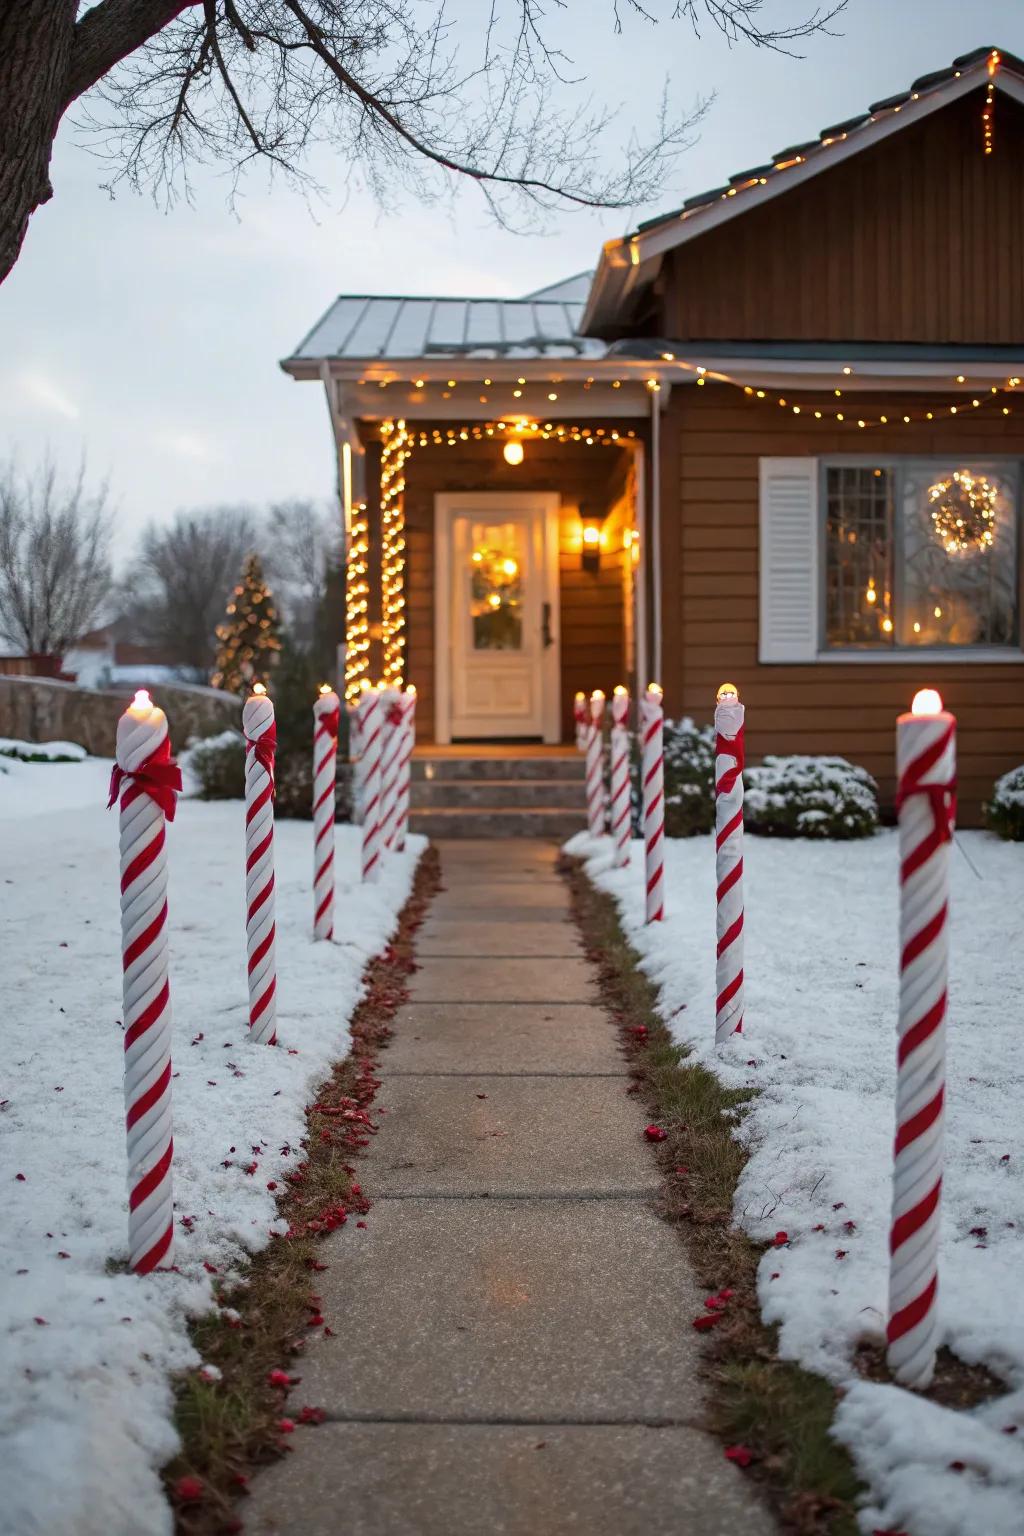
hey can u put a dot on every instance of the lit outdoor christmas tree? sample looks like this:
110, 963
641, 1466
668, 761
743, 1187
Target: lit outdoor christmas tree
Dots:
249, 639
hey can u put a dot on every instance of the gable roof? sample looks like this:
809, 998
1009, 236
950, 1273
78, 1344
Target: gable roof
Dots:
374, 327
628, 266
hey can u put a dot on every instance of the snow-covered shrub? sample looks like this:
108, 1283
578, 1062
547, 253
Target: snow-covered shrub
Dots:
810, 797
217, 766
1004, 813
689, 779
42, 751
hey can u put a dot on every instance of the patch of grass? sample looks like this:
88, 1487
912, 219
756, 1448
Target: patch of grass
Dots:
779, 1411
232, 1424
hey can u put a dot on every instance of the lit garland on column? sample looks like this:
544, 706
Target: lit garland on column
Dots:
396, 450
357, 604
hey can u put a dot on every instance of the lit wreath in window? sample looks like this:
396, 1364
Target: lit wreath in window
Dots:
963, 512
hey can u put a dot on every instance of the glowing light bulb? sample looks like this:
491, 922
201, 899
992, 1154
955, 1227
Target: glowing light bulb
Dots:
591, 535
509, 567
887, 626
325, 688
619, 690
655, 688
727, 693
927, 701
512, 452
141, 704
259, 689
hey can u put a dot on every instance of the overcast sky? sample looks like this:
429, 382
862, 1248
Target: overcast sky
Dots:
150, 340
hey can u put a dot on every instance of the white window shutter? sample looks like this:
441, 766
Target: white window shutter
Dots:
789, 559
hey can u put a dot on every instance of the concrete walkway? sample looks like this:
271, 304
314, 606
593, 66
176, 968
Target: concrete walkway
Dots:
512, 1347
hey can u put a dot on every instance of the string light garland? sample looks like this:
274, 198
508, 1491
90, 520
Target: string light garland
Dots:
989, 110
845, 414
963, 512
357, 604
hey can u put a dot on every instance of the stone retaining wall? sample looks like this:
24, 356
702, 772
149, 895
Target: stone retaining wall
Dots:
38, 709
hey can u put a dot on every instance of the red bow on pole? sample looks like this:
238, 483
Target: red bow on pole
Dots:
396, 714
331, 721
265, 749
159, 777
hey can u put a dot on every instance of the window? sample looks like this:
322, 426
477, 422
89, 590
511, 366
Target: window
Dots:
920, 552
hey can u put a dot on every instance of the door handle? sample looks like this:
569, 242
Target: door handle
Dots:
546, 635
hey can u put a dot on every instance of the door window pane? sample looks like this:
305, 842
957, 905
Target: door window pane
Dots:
496, 586
858, 556
959, 555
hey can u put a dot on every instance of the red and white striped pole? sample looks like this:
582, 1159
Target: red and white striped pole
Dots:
354, 753
581, 715
390, 758
596, 804
147, 780
926, 811
652, 771
326, 723
729, 718
622, 807
260, 730
371, 719
402, 797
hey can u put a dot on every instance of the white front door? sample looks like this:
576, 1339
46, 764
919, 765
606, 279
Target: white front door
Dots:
497, 616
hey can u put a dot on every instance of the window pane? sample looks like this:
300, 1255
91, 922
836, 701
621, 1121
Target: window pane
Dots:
959, 555
496, 586
858, 556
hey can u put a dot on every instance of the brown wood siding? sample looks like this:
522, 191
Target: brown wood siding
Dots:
591, 621
714, 438
917, 239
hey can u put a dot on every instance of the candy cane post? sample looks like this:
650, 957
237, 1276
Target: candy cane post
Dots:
581, 715
326, 722
147, 780
260, 730
596, 806
402, 794
729, 714
652, 771
352, 711
926, 812
371, 743
622, 808
390, 758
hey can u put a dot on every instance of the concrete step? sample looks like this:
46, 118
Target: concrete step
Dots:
488, 793
425, 766
501, 821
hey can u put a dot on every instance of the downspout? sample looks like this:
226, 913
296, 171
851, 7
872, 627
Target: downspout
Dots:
640, 572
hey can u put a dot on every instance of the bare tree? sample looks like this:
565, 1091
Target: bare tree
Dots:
178, 584
303, 540
55, 571
401, 93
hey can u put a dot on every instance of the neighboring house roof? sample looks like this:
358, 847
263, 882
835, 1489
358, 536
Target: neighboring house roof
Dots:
372, 327
629, 266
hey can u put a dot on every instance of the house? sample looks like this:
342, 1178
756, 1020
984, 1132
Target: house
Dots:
775, 437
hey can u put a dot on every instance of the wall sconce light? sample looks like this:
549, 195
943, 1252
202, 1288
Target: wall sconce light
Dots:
590, 541
513, 451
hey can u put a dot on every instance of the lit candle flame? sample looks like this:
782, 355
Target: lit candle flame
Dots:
619, 690
728, 691
142, 703
927, 701
411, 690
259, 689
597, 694
655, 688
325, 688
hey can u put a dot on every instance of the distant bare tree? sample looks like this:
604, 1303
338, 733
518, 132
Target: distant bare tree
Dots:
55, 571
178, 584
402, 92
303, 541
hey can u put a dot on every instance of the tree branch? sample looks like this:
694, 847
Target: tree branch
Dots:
112, 30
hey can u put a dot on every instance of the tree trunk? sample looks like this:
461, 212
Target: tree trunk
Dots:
36, 42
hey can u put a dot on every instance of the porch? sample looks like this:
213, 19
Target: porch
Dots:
506, 556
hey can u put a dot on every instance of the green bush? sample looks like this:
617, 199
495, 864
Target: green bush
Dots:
689, 780
810, 797
218, 763
1004, 813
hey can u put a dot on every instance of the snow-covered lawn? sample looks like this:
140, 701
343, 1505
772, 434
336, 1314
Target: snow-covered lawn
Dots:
85, 1355
821, 989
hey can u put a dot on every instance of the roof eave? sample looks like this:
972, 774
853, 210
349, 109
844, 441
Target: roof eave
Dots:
641, 254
